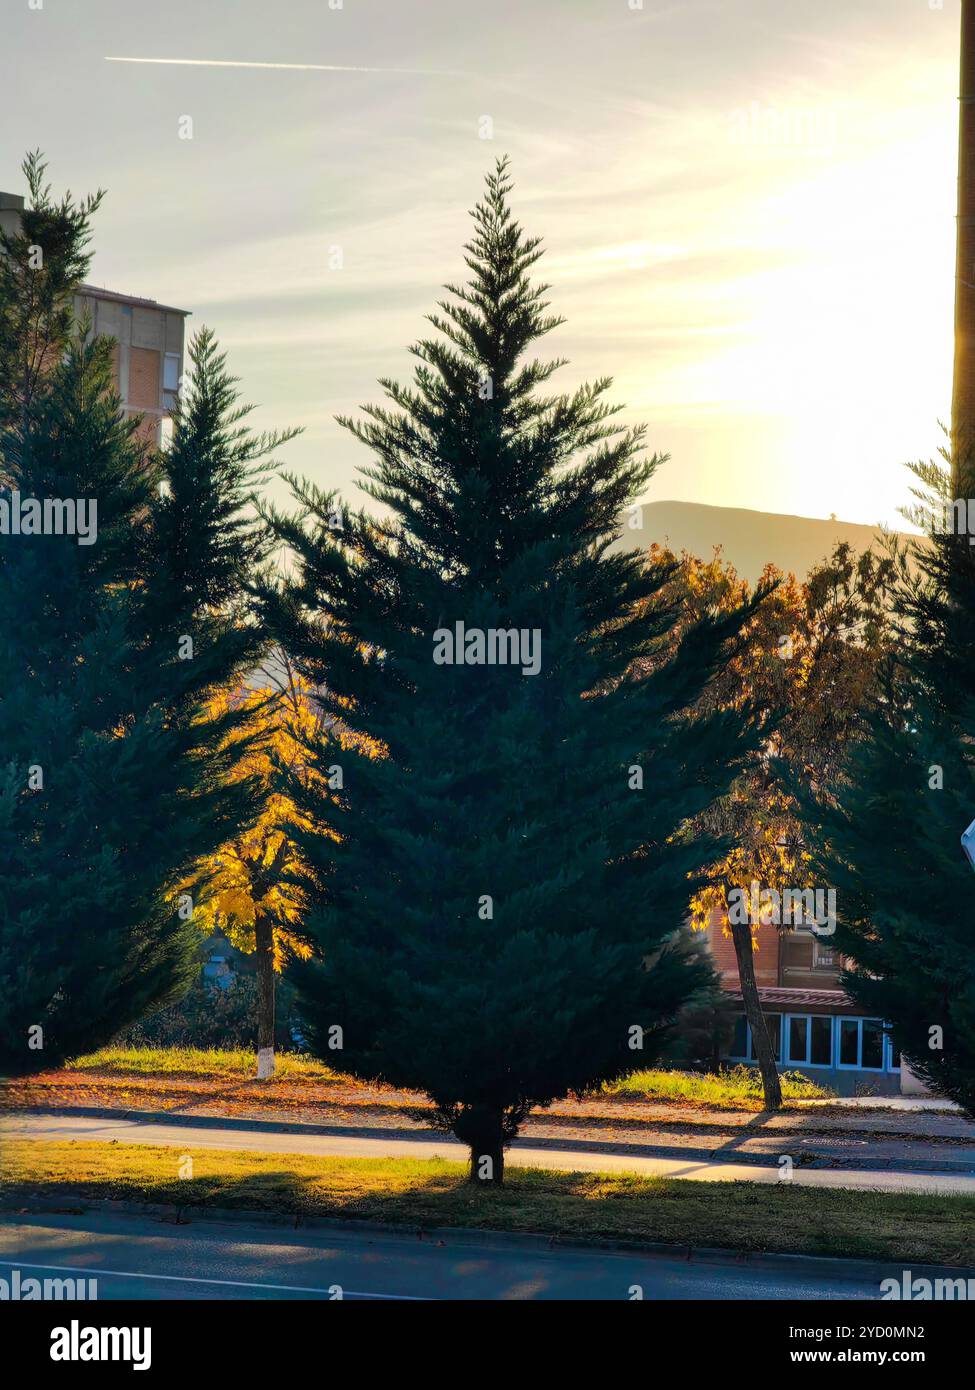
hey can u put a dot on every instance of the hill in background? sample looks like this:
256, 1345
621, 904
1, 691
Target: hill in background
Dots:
749, 540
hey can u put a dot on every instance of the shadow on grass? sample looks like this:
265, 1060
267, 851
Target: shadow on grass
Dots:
422, 1195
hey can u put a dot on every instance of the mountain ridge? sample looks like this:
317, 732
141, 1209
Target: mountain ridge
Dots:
749, 539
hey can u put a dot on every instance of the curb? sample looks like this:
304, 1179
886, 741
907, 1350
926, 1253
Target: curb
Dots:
835, 1266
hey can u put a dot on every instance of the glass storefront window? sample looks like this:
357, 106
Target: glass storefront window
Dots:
849, 1042
774, 1023
807, 1040
798, 1039
873, 1044
821, 1052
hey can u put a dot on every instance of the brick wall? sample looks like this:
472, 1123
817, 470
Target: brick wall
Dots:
148, 431
144, 368
766, 954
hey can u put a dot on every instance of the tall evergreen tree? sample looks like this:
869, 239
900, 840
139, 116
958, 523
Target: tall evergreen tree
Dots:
497, 895
887, 831
115, 781
41, 264
88, 941
205, 542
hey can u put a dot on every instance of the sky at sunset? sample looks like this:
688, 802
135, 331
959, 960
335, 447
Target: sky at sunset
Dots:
748, 206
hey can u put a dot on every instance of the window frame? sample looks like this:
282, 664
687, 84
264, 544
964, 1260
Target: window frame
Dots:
819, 950
749, 1055
858, 1065
789, 1020
808, 1020
167, 358
831, 1020
836, 1022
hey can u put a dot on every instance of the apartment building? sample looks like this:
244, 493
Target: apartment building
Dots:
816, 1029
148, 352
149, 341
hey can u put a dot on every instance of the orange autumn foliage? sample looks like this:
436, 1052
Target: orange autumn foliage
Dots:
811, 650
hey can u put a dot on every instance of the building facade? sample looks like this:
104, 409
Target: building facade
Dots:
816, 1029
149, 341
148, 352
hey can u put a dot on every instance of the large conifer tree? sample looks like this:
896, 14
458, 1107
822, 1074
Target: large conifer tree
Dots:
113, 782
42, 261
504, 870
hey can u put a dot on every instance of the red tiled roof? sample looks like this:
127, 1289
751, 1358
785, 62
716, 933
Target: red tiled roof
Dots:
833, 999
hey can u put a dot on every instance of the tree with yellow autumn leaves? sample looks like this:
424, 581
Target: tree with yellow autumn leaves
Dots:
253, 891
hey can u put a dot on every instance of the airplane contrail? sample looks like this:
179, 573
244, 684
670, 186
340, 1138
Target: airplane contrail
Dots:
293, 67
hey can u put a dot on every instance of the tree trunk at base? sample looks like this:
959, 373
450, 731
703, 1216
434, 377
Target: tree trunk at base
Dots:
264, 943
481, 1128
487, 1164
741, 934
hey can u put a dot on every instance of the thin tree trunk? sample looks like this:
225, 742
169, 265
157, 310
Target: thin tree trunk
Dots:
741, 934
481, 1127
264, 943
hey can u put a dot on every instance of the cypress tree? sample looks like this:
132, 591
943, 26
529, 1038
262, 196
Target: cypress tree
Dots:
114, 782
41, 264
505, 860
88, 941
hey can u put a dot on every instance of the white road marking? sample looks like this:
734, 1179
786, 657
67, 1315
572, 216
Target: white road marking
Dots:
225, 1283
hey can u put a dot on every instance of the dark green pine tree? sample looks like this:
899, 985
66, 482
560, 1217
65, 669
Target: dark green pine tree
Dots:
887, 834
202, 547
41, 263
87, 939
114, 780
205, 541
498, 896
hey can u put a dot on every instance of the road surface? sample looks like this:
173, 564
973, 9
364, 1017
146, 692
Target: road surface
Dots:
146, 1258
213, 1135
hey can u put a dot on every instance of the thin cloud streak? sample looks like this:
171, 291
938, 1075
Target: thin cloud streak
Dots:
291, 67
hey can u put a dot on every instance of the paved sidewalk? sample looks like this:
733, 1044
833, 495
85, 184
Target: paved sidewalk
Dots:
304, 1139
942, 1144
919, 1104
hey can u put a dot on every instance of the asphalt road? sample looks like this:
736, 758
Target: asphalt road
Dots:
146, 1258
212, 1135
